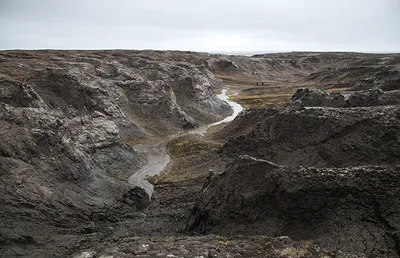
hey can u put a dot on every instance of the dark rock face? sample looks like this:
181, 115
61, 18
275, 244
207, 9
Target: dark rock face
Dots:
126, 86
350, 209
324, 137
244, 123
18, 94
324, 169
372, 97
223, 65
61, 163
65, 118
137, 197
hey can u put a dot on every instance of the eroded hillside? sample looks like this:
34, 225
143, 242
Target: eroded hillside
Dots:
70, 120
324, 169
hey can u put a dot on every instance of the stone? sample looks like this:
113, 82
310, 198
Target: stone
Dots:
137, 198
142, 249
87, 254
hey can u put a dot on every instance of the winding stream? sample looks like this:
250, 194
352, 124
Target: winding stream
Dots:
157, 154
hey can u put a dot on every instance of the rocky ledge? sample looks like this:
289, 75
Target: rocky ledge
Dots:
321, 136
325, 169
353, 209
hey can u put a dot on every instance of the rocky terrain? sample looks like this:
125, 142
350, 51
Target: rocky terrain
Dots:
271, 79
317, 175
352, 209
66, 119
324, 169
322, 136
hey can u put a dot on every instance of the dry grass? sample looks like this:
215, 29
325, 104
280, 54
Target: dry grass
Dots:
218, 91
295, 251
190, 159
262, 101
253, 96
274, 93
189, 145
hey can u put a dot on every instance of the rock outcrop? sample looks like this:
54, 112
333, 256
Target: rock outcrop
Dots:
324, 169
353, 209
368, 98
66, 115
48, 160
127, 86
321, 136
65, 120
321, 169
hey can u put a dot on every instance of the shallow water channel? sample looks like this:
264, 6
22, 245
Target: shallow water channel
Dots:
157, 154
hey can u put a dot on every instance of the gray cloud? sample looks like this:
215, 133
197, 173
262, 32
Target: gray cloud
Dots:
208, 25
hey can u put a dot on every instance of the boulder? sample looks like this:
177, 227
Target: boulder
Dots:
137, 198
351, 209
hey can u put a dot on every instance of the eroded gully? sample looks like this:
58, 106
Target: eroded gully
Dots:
157, 154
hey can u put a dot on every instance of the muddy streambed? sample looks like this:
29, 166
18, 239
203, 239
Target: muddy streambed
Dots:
157, 154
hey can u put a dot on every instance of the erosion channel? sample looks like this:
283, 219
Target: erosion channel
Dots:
156, 151
310, 169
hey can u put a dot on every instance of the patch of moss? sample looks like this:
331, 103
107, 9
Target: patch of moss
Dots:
190, 159
189, 145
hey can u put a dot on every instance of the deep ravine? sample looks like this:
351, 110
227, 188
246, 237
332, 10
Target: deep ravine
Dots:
156, 151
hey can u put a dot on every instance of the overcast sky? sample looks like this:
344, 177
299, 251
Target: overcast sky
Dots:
202, 25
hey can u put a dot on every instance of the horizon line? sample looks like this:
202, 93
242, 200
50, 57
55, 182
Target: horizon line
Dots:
224, 52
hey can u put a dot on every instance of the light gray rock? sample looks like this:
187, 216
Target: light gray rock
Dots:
87, 254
